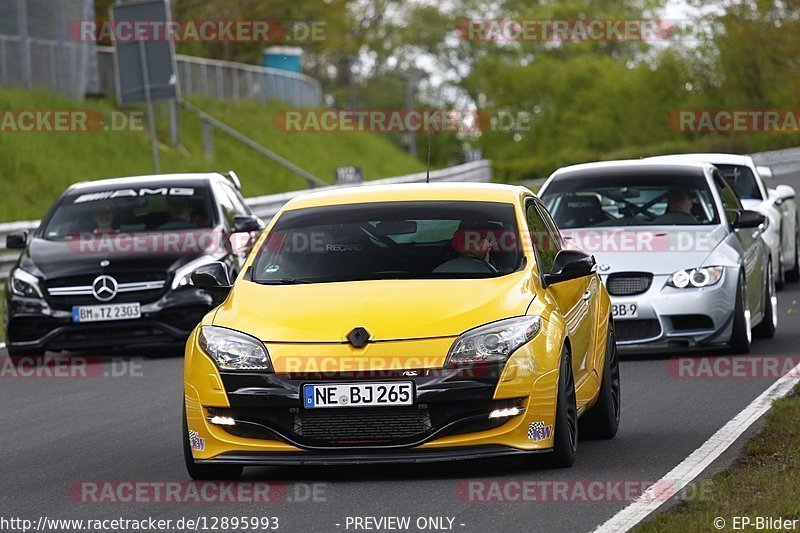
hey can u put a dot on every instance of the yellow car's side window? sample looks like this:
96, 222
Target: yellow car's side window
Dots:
545, 245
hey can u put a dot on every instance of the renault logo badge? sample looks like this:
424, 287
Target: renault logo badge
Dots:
358, 337
104, 288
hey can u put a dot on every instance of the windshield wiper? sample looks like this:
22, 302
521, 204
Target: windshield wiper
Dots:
284, 281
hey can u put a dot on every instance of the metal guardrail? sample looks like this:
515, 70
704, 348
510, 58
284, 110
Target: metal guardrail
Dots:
267, 206
226, 80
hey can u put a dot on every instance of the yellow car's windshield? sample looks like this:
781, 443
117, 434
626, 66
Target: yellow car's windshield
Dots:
391, 240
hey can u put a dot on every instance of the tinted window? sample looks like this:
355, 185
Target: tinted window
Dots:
730, 201
225, 202
630, 200
742, 180
392, 240
236, 200
133, 209
545, 243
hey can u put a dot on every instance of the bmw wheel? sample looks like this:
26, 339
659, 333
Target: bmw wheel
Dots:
766, 329
741, 336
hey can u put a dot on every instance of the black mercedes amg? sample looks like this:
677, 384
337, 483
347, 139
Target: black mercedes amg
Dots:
110, 263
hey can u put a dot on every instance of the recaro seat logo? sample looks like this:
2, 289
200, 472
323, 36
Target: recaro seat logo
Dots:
104, 288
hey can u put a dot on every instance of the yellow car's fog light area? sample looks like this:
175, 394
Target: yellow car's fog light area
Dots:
214, 440
334, 358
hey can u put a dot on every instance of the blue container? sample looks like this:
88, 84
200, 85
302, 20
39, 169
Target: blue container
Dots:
284, 58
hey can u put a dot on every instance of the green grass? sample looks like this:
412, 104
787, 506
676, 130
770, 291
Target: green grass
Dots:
764, 481
36, 167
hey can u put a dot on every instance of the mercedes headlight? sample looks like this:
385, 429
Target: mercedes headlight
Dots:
233, 350
493, 343
696, 277
25, 284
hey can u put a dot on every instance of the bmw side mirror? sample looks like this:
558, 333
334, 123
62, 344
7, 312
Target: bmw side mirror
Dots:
213, 277
570, 264
749, 219
247, 224
17, 240
784, 192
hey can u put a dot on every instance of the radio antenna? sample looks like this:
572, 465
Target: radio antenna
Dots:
428, 171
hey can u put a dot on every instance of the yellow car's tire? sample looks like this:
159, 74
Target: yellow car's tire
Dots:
602, 420
205, 472
565, 438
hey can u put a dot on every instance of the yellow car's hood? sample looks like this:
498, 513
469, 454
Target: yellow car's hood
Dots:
388, 309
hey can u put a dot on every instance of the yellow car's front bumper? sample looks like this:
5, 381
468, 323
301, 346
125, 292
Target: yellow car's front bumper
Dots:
451, 409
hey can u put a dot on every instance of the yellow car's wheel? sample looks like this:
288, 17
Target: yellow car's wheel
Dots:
602, 420
203, 472
565, 439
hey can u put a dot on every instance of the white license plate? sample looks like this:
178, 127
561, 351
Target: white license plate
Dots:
358, 395
103, 313
621, 311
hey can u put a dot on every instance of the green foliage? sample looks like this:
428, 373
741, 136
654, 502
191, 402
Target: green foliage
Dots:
36, 167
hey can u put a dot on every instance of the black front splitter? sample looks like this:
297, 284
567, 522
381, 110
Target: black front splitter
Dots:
316, 458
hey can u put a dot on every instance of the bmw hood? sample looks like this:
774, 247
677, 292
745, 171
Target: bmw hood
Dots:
388, 309
658, 250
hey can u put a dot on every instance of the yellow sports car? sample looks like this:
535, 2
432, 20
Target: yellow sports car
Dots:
407, 323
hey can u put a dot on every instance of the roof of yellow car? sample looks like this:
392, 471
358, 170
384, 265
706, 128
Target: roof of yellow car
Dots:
487, 192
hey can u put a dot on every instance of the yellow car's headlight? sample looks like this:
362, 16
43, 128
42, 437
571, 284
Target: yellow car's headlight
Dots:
233, 350
494, 342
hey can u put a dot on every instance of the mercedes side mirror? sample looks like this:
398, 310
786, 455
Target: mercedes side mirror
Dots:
17, 240
247, 224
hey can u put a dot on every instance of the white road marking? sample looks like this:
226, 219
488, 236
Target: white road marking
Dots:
662, 490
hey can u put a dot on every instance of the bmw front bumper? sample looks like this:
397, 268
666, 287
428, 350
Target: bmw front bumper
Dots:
671, 319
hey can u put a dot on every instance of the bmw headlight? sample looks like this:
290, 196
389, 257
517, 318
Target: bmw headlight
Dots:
493, 343
233, 350
25, 284
696, 277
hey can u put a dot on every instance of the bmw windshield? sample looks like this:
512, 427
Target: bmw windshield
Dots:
605, 201
391, 240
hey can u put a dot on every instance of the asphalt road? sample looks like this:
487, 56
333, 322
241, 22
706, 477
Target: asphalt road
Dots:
59, 433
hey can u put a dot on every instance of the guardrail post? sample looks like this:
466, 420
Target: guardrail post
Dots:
3, 62
24, 44
208, 140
